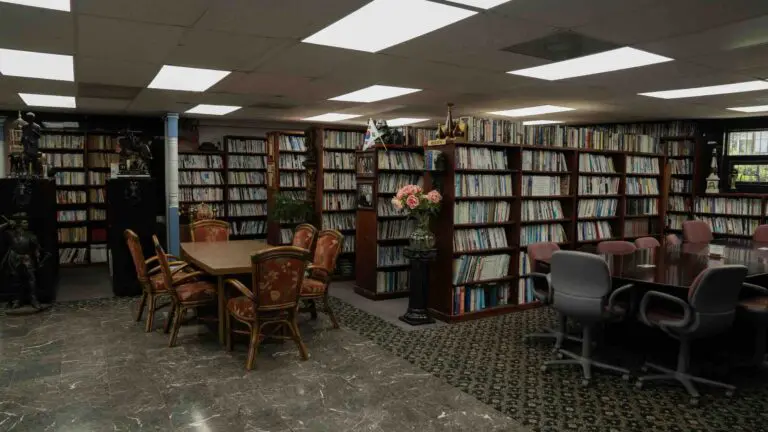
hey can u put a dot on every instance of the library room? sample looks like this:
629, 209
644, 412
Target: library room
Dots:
384, 215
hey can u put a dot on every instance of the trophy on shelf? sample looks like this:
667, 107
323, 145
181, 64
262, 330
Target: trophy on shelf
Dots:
713, 181
451, 131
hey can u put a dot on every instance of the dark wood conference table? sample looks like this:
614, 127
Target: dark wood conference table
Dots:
222, 259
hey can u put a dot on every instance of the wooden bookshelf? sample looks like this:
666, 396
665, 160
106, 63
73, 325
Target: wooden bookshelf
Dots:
287, 174
380, 227
680, 173
245, 186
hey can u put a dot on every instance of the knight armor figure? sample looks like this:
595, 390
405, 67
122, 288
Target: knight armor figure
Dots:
30, 139
21, 261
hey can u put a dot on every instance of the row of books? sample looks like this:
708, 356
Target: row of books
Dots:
481, 158
545, 185
338, 221
675, 221
246, 178
250, 209
591, 185
97, 214
474, 298
200, 178
643, 207
97, 178
421, 136
471, 268
247, 162
73, 235
533, 210
291, 161
599, 230
102, 142
731, 206
639, 227
64, 160
339, 160
480, 238
70, 142
251, 227
342, 140
197, 194
400, 160
67, 178
680, 148
642, 186
247, 194
642, 165
192, 161
729, 225
666, 129
339, 201
293, 143
97, 196
239, 145
391, 281
483, 185
467, 212
385, 208
592, 163
544, 161
390, 183
349, 244
679, 204
492, 130
680, 186
395, 229
73, 256
293, 179
530, 234
102, 160
524, 285
681, 166
339, 181
71, 215
388, 256
545, 136
70, 197
592, 208
286, 236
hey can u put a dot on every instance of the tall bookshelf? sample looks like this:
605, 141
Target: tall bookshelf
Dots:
245, 186
336, 187
681, 154
287, 175
382, 231
100, 155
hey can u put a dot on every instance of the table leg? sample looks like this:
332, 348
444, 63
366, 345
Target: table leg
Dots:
222, 309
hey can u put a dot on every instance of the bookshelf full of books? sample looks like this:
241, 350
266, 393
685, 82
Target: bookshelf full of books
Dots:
287, 152
730, 214
245, 187
680, 152
382, 230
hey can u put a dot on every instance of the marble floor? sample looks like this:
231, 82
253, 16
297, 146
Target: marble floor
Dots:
87, 366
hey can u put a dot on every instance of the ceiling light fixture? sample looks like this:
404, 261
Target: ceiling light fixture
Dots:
405, 121
218, 110
186, 79
531, 111
375, 93
61, 5
331, 117
49, 101
413, 17
30, 64
740, 87
751, 109
607, 61
481, 4
541, 122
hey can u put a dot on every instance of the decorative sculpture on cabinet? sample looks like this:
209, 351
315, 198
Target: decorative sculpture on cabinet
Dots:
21, 261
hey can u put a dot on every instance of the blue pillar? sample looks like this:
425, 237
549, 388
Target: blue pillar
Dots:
3, 150
172, 181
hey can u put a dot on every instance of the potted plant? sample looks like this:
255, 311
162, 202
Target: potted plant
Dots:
288, 208
421, 206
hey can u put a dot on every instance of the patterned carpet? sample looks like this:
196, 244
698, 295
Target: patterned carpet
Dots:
488, 359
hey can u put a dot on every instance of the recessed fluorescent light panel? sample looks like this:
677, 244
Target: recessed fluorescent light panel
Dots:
50, 101
541, 122
186, 79
608, 61
30, 64
741, 87
751, 109
363, 29
375, 93
531, 111
481, 4
331, 117
404, 121
62, 5
213, 109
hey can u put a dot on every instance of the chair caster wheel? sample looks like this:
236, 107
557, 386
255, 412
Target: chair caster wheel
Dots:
729, 393
639, 385
585, 383
694, 401
543, 368
644, 369
626, 377
559, 355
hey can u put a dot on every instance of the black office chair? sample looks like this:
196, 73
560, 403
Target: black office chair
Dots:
709, 310
581, 285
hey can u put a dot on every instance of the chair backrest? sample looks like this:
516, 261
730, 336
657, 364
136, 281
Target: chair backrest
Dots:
538, 253
304, 236
278, 274
580, 282
616, 247
646, 243
761, 234
327, 250
697, 231
672, 239
165, 268
209, 231
134, 246
713, 296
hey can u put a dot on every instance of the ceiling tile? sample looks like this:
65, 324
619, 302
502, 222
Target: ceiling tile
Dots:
227, 51
114, 72
170, 12
126, 40
570, 13
35, 29
102, 105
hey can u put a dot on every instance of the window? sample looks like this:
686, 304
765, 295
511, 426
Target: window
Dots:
748, 143
750, 173
746, 162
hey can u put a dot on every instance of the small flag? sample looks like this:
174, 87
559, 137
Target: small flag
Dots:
371, 135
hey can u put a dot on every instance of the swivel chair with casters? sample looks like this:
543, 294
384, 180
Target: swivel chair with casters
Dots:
582, 286
754, 307
710, 309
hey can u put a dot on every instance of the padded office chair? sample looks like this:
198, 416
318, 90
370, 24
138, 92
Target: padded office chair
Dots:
647, 243
672, 239
761, 234
697, 231
709, 310
304, 236
581, 285
616, 247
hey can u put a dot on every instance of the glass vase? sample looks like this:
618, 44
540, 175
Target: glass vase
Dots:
422, 238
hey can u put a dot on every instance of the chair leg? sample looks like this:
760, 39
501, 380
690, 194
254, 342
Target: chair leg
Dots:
228, 331
169, 319
313, 309
151, 312
142, 304
329, 311
296, 336
585, 359
253, 346
180, 310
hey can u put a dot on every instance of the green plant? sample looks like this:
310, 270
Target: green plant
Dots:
288, 208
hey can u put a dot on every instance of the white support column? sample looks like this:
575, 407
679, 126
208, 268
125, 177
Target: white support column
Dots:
172, 181
3, 150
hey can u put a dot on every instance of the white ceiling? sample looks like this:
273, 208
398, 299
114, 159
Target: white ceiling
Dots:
125, 42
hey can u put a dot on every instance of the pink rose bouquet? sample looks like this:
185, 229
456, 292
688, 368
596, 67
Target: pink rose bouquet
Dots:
416, 203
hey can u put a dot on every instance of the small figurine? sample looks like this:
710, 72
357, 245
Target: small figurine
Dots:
22, 260
713, 180
30, 140
134, 154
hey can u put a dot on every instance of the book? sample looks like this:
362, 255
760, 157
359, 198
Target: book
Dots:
468, 212
593, 208
478, 239
541, 209
530, 234
243, 145
544, 161
545, 185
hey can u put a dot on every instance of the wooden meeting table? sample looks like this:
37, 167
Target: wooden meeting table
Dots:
222, 260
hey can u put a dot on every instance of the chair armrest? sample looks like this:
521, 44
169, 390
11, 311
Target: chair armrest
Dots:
180, 265
665, 323
150, 260
618, 291
324, 273
240, 287
755, 289
187, 277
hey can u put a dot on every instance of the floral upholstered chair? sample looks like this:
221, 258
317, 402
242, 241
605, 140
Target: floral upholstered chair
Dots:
151, 280
187, 292
304, 236
315, 286
209, 231
273, 300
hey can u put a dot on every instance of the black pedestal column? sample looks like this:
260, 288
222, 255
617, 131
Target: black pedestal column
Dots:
418, 281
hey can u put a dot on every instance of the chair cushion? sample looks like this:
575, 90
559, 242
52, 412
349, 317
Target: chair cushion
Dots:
655, 315
196, 291
755, 304
312, 287
158, 282
241, 307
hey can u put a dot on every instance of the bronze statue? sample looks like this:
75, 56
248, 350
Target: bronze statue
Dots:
21, 261
389, 135
134, 154
30, 139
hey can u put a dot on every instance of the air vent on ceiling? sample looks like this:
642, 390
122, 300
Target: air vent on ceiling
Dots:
561, 46
107, 91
